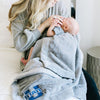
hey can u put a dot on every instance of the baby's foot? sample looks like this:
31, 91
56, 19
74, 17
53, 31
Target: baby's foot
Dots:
24, 61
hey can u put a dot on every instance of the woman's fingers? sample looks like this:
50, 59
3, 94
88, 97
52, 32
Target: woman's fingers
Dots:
57, 21
60, 18
55, 24
50, 20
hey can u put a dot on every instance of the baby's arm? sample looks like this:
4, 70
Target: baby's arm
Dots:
50, 31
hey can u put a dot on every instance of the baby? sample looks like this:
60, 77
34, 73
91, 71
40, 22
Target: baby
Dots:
69, 25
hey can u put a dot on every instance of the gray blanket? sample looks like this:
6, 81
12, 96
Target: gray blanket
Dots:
56, 67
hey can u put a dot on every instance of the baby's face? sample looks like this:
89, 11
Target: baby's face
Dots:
65, 24
70, 25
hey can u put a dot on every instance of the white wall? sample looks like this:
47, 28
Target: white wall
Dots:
88, 16
5, 36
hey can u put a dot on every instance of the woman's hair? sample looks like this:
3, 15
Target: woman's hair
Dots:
36, 9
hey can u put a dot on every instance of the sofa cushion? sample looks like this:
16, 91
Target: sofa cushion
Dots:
9, 69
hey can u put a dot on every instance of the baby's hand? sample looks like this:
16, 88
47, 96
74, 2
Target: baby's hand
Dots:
54, 23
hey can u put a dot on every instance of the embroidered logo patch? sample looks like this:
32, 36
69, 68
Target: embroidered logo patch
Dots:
33, 93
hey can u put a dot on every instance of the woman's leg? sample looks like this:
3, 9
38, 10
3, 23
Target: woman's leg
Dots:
92, 91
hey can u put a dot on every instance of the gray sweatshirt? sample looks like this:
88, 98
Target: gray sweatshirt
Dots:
24, 38
56, 67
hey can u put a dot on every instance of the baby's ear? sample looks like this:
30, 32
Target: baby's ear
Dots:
65, 28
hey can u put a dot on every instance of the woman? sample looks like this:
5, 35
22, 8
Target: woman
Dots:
29, 20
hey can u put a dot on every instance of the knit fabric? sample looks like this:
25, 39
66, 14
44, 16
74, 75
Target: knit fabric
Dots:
56, 66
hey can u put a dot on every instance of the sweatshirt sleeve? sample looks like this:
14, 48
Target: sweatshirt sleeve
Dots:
58, 30
23, 38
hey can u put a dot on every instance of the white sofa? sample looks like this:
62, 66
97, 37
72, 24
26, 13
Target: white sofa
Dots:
9, 57
9, 68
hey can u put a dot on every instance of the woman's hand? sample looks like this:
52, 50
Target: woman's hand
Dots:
55, 23
49, 21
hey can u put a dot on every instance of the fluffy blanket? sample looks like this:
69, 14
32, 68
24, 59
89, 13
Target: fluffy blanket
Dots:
54, 71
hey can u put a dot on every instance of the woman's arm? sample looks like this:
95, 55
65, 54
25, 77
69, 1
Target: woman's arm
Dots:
24, 38
50, 32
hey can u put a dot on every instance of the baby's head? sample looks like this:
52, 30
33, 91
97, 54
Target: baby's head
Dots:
70, 25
